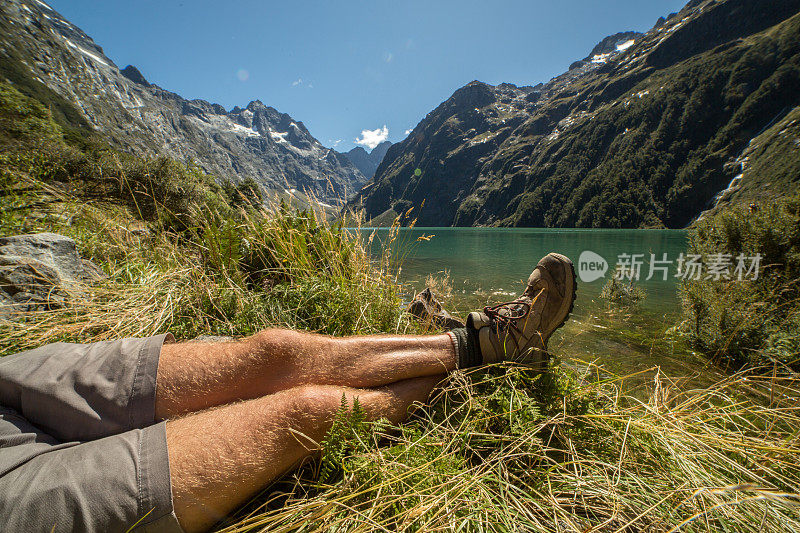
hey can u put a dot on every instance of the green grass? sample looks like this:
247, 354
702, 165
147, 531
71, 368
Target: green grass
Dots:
181, 251
619, 294
224, 276
498, 449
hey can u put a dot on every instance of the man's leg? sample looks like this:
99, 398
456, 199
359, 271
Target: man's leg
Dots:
195, 376
222, 457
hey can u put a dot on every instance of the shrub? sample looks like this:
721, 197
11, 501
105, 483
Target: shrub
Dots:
749, 321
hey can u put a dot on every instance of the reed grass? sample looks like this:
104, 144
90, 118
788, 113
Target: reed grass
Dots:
502, 450
227, 273
498, 449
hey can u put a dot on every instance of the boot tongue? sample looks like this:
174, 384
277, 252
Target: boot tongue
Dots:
539, 279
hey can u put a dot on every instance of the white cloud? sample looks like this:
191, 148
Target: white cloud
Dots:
300, 83
335, 143
372, 138
408, 131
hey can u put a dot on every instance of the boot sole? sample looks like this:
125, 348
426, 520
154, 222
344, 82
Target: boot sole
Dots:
572, 287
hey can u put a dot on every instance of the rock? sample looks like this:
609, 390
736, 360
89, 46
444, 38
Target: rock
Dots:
92, 272
212, 338
133, 74
29, 284
733, 168
55, 250
41, 272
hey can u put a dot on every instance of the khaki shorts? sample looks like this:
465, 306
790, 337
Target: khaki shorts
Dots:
80, 449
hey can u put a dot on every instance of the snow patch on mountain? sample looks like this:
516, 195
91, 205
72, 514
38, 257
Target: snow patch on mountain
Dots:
250, 132
86, 53
601, 58
621, 47
278, 136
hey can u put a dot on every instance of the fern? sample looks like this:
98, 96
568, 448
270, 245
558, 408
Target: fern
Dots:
348, 433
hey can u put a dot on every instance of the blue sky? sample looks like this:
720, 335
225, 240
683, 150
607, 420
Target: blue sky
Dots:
347, 66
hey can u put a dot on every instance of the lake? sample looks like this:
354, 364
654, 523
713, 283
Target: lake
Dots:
491, 265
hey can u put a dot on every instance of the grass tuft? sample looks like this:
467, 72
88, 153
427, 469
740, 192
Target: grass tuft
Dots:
503, 450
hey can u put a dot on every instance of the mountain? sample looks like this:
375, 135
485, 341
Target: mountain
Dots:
367, 162
646, 131
43, 53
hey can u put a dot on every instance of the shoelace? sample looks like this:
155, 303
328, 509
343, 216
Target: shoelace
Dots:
506, 321
493, 311
518, 310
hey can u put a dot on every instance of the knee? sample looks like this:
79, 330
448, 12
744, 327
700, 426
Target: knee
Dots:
320, 398
322, 402
287, 345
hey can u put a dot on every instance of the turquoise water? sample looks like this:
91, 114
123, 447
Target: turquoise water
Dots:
491, 265
487, 263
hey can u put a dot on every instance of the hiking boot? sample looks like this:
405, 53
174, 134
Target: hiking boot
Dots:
427, 308
518, 331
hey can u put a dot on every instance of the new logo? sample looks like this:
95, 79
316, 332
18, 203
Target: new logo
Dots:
591, 266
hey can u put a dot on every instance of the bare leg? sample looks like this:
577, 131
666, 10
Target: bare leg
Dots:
196, 376
222, 457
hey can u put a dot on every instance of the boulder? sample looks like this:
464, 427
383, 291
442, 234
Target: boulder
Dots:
41, 271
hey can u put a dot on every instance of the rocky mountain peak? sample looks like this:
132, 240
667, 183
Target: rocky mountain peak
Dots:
256, 105
615, 43
634, 135
368, 162
258, 142
474, 94
133, 74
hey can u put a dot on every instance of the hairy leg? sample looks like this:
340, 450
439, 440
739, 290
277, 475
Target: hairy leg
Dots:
194, 376
220, 458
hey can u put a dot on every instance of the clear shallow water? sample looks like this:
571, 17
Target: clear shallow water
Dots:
491, 265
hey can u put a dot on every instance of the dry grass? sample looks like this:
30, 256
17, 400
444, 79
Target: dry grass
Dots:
227, 274
499, 451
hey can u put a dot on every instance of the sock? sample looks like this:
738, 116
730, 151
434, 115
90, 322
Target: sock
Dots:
468, 348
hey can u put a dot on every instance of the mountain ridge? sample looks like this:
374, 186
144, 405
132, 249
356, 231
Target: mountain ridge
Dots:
368, 162
636, 138
256, 142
